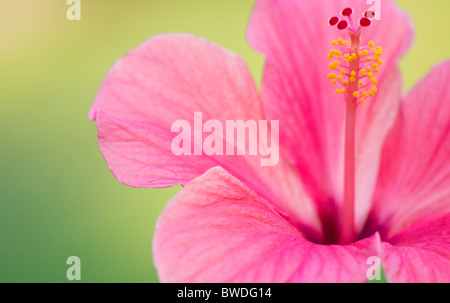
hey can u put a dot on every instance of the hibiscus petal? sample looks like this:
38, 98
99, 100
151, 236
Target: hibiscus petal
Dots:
295, 38
218, 230
168, 78
414, 178
373, 121
420, 253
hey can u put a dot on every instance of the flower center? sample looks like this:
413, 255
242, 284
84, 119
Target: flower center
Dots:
356, 66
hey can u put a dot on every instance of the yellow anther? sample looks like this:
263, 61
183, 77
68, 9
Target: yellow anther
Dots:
353, 77
379, 49
333, 65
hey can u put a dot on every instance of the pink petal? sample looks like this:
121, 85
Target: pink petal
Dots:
168, 78
414, 178
374, 118
218, 230
295, 38
420, 253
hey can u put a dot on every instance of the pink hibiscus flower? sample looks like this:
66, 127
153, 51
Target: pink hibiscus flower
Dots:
363, 170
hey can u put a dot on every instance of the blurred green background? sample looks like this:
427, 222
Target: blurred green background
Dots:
57, 195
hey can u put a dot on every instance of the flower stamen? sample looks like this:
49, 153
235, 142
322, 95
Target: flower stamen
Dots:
366, 68
358, 64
